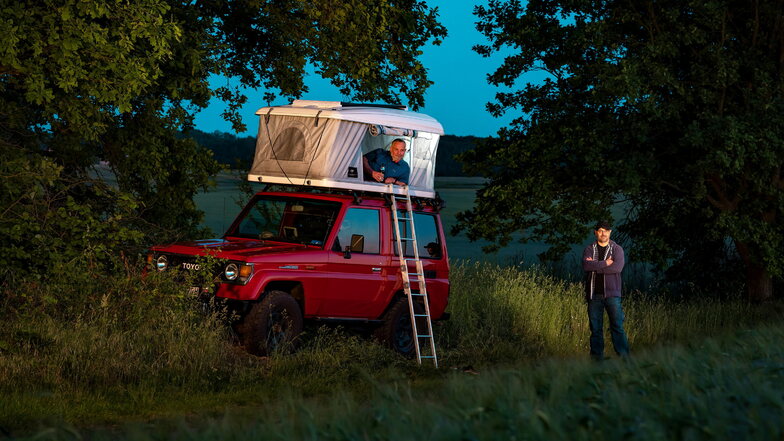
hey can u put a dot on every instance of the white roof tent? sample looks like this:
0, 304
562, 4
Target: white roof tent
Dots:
321, 144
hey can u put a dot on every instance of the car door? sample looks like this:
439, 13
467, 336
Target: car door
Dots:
356, 284
430, 251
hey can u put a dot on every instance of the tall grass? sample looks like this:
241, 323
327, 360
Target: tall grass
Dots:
134, 333
726, 388
506, 313
123, 348
120, 351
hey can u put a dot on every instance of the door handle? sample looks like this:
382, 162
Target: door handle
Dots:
376, 270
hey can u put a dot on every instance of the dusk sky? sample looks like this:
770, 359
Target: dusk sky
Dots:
457, 98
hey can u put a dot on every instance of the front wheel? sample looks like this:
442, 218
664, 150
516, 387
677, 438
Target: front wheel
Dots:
396, 332
272, 325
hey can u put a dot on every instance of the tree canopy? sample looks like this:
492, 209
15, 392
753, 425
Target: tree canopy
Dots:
669, 112
88, 81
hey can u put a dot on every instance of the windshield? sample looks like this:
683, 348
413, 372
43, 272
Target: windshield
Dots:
287, 220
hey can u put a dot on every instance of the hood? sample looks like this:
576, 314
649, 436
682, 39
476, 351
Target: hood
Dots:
231, 249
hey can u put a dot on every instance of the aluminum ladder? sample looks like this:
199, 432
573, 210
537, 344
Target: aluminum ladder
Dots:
408, 220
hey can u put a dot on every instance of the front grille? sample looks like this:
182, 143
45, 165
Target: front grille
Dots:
185, 265
189, 269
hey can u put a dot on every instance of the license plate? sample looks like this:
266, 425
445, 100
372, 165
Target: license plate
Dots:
194, 291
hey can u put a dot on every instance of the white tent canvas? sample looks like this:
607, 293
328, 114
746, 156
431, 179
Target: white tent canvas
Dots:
321, 144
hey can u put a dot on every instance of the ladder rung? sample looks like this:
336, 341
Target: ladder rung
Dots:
415, 274
424, 336
417, 294
427, 356
420, 315
406, 238
404, 218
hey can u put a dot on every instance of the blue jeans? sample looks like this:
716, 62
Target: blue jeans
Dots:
614, 309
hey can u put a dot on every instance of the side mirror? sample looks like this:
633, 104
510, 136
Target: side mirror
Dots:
347, 252
357, 243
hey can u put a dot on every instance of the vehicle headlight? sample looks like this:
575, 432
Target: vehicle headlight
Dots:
161, 263
231, 271
238, 272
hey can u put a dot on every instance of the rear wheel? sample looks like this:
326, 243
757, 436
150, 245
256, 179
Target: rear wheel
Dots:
272, 325
396, 332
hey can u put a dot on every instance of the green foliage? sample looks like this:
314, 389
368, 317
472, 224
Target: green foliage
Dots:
669, 110
368, 49
49, 222
88, 81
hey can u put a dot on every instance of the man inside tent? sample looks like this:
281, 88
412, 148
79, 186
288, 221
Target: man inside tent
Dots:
387, 166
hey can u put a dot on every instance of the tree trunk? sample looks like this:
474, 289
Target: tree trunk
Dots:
759, 284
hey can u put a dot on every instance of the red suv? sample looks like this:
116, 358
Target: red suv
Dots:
295, 256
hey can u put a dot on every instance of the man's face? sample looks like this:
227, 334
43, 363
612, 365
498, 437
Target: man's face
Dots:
397, 150
602, 235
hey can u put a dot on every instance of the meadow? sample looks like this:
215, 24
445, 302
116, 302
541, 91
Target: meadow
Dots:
127, 358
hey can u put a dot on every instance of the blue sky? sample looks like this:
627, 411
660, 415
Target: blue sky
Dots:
457, 98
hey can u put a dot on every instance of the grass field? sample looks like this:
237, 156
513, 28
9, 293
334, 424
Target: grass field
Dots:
120, 358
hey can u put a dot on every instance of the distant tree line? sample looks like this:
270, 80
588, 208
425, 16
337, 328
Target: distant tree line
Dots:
448, 148
237, 152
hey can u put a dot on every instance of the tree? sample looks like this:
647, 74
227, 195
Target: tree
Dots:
670, 111
118, 81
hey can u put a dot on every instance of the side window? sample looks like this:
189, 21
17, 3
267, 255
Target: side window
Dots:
426, 233
359, 231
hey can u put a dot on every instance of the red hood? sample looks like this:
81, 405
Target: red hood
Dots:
231, 249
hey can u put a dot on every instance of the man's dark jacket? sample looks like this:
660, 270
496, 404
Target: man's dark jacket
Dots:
612, 273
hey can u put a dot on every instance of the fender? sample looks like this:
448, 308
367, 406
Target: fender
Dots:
309, 280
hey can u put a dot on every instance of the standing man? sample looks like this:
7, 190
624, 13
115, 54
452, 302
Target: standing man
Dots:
603, 262
387, 167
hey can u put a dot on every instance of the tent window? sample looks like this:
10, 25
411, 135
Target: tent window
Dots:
290, 145
421, 148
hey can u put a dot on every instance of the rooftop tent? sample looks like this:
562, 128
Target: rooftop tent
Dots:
321, 143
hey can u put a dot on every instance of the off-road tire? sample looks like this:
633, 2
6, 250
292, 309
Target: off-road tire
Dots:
272, 325
396, 331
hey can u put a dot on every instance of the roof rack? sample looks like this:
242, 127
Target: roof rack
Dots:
436, 202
